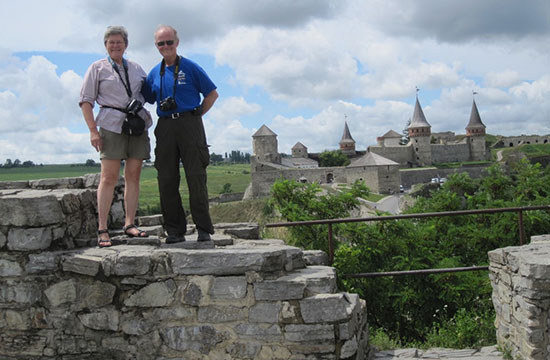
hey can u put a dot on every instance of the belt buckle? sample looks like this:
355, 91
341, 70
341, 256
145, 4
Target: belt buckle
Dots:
174, 116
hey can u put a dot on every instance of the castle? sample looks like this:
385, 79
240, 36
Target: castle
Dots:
379, 166
425, 148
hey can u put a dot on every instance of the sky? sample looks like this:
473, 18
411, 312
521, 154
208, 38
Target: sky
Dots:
301, 67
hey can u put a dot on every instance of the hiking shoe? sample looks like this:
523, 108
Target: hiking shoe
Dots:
203, 235
172, 239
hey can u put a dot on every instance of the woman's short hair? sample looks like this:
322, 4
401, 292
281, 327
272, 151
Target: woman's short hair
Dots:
116, 30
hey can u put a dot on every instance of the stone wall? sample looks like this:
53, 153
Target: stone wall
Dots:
143, 299
410, 177
520, 277
53, 213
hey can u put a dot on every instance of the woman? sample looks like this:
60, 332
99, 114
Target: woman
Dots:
113, 83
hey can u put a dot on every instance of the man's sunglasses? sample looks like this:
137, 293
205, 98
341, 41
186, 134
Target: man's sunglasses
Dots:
167, 42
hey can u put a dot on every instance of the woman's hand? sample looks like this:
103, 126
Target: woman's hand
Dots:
95, 139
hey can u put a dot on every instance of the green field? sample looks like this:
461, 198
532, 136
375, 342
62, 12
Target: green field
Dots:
237, 175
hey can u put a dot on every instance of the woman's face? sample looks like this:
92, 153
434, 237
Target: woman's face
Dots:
115, 47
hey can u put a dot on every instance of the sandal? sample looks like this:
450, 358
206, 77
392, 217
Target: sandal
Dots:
140, 234
103, 242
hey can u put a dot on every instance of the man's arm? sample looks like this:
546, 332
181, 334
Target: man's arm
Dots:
208, 101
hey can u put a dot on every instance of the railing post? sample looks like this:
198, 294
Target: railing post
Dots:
330, 245
521, 230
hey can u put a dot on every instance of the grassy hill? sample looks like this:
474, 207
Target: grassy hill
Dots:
237, 175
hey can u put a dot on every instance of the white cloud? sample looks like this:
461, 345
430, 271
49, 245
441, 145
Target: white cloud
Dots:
503, 79
298, 67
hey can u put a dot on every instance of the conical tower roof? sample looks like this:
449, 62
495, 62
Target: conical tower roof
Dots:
475, 119
346, 136
264, 131
418, 120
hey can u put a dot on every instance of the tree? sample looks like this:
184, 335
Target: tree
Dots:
27, 163
90, 162
333, 158
226, 189
215, 158
413, 308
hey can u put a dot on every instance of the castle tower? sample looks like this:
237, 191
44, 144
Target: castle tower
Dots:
347, 144
299, 150
475, 131
420, 135
264, 146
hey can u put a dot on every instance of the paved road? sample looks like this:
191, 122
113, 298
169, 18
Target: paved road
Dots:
486, 353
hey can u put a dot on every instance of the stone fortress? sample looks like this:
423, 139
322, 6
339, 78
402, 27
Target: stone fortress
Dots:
380, 166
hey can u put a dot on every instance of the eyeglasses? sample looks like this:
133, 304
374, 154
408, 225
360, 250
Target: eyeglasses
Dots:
167, 43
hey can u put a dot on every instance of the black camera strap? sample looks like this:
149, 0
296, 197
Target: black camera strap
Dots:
176, 71
125, 66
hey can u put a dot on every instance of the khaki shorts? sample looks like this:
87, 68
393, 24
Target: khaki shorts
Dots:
122, 146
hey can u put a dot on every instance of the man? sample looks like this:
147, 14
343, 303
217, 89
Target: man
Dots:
176, 85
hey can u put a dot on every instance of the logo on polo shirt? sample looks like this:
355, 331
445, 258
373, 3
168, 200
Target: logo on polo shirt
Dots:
181, 78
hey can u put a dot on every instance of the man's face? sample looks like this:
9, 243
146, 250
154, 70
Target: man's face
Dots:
166, 43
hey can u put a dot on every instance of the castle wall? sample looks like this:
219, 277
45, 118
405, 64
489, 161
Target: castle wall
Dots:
402, 155
519, 277
450, 153
511, 141
147, 300
410, 177
378, 178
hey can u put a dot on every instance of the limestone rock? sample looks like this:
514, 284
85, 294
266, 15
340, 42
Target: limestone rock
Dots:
30, 239
228, 287
326, 308
104, 319
10, 268
30, 208
198, 338
61, 293
154, 295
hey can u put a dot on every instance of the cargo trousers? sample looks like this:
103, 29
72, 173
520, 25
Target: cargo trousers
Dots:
182, 140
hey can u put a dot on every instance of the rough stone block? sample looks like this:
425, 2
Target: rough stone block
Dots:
226, 261
246, 350
3, 239
279, 290
21, 239
201, 339
96, 294
221, 314
324, 308
269, 332
349, 348
265, 312
103, 319
20, 293
30, 208
154, 295
132, 262
82, 264
309, 333
10, 268
228, 287
152, 220
61, 293
315, 257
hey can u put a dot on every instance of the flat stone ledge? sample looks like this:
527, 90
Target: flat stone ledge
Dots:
141, 260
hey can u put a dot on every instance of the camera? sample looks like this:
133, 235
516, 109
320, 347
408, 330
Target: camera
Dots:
133, 107
168, 104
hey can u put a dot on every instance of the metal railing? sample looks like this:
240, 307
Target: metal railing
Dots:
330, 222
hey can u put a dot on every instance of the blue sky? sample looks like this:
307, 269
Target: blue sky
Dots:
300, 67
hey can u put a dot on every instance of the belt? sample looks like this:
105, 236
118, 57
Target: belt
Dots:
195, 111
